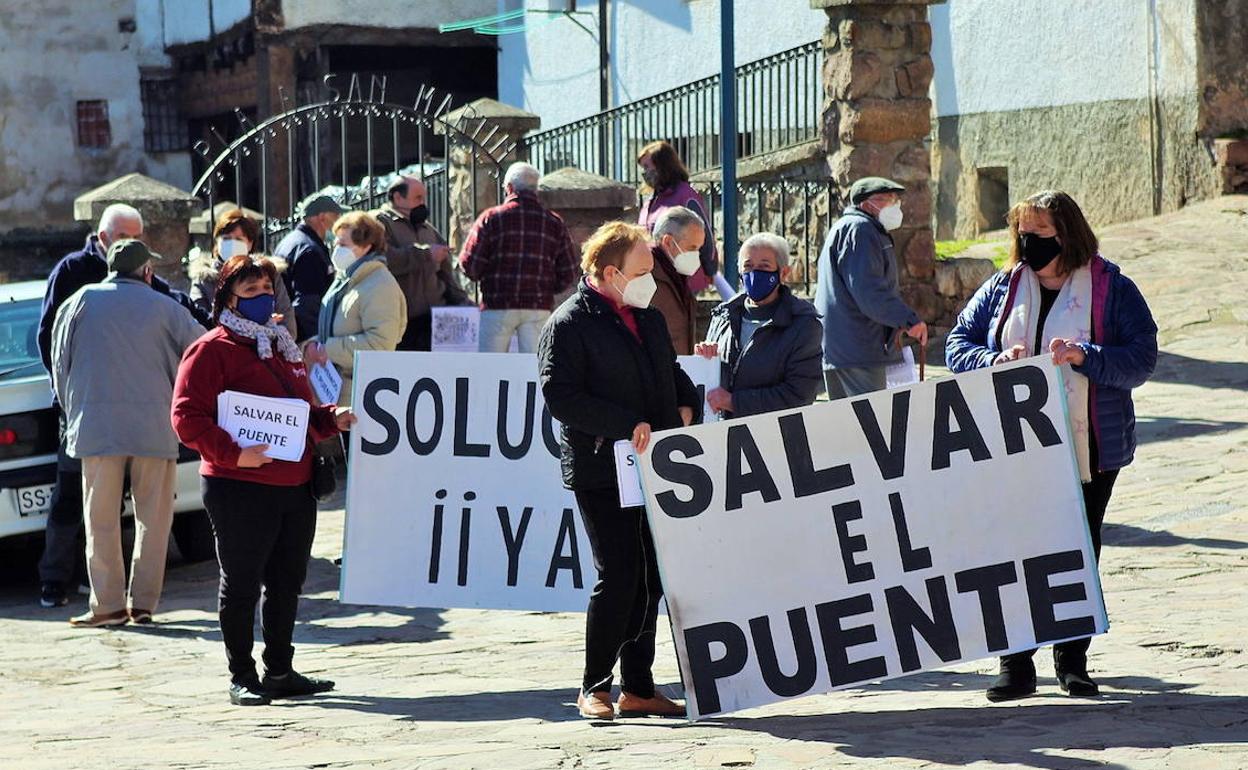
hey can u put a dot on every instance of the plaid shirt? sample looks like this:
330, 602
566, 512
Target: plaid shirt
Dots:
521, 254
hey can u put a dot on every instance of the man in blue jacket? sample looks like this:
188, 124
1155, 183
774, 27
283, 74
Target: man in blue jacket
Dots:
76, 270
310, 271
858, 294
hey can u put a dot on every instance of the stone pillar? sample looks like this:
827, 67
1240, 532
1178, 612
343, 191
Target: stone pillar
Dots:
586, 201
480, 119
166, 211
877, 118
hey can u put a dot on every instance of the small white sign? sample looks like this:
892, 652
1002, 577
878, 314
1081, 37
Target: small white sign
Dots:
627, 475
902, 374
326, 382
282, 423
456, 329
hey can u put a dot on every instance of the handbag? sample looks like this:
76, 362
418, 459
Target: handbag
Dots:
324, 480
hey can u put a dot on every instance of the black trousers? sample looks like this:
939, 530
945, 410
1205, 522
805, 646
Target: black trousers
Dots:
1072, 656
264, 538
419, 333
623, 607
64, 544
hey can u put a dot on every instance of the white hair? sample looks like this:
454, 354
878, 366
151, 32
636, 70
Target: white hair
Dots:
113, 217
675, 221
778, 245
522, 177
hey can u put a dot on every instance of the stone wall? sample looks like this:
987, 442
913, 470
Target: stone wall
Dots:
877, 118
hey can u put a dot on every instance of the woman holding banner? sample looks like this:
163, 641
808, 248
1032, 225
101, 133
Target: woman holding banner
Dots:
262, 511
1057, 295
609, 373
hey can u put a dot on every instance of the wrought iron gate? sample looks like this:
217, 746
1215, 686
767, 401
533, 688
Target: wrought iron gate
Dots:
323, 147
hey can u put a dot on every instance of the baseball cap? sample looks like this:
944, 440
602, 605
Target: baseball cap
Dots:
320, 204
129, 254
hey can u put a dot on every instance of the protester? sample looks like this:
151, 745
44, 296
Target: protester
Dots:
678, 235
235, 233
857, 293
768, 340
364, 308
115, 351
609, 373
78, 269
309, 271
262, 510
417, 255
522, 255
666, 184
1057, 295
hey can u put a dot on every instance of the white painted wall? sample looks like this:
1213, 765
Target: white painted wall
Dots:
384, 13
47, 69
1002, 55
552, 69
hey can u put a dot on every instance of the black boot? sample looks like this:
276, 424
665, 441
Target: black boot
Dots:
1077, 684
1016, 680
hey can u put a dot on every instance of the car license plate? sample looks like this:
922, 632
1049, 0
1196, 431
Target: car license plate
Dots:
32, 501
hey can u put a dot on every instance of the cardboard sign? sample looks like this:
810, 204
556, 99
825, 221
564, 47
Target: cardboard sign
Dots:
326, 382
455, 494
456, 329
282, 423
864, 539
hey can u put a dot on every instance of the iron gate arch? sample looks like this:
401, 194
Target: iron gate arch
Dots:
478, 146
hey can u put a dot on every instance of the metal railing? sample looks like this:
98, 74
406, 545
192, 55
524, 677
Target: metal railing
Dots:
779, 100
800, 210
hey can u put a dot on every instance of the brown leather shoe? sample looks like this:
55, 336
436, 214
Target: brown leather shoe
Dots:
658, 706
91, 620
140, 617
595, 705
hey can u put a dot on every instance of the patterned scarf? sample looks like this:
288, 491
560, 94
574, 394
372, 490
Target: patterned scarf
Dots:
263, 335
1070, 318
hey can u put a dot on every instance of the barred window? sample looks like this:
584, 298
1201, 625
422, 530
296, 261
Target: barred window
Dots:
93, 129
164, 130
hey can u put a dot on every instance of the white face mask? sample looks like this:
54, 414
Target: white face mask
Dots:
890, 216
687, 262
639, 291
229, 248
343, 257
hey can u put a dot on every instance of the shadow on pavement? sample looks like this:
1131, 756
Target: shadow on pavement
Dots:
1021, 734
1184, 370
1125, 535
1151, 429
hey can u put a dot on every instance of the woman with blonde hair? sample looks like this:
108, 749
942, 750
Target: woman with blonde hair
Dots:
364, 308
609, 373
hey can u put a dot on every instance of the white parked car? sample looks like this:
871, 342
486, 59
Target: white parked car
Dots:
28, 434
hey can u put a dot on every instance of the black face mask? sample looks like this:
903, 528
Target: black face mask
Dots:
419, 215
1038, 252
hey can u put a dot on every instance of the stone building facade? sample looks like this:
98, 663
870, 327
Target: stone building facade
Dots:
1132, 107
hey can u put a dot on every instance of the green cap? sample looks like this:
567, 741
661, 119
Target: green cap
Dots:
320, 204
870, 185
129, 254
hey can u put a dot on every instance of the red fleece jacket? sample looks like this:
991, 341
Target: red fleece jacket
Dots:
220, 361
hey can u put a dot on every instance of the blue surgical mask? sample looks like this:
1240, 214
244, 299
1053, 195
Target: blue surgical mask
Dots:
759, 284
257, 309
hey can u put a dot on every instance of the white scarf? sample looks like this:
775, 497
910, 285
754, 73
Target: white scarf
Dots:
263, 335
1070, 318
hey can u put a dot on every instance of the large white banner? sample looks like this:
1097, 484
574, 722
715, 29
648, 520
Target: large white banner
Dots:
824, 547
455, 498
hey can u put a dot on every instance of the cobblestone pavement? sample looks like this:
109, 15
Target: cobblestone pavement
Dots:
468, 689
